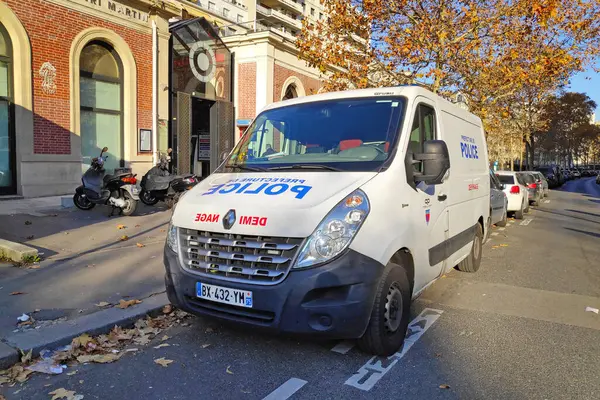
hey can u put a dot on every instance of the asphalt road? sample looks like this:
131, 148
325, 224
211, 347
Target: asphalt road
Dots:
517, 329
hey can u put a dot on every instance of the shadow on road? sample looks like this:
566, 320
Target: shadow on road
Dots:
566, 215
593, 234
583, 212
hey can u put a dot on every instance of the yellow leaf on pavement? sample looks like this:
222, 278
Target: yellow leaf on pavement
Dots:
230, 372
71, 373
162, 345
26, 357
81, 341
167, 309
140, 245
444, 386
128, 303
64, 394
142, 340
103, 304
99, 358
163, 361
124, 238
121, 227
165, 338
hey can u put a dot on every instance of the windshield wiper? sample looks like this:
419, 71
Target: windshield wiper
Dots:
306, 166
245, 167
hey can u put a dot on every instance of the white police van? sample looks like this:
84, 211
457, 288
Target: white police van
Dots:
332, 213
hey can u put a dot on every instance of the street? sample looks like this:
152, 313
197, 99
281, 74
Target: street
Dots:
516, 329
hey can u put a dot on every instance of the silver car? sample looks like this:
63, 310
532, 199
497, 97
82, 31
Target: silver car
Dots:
541, 180
498, 202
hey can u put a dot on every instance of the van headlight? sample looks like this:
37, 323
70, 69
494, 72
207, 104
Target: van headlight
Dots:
172, 238
335, 233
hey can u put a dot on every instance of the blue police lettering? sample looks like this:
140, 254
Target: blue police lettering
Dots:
270, 189
258, 190
469, 150
233, 187
301, 190
282, 188
212, 190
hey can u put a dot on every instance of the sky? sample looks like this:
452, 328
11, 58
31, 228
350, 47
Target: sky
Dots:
591, 87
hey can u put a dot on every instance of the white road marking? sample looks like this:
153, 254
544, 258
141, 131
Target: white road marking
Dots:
343, 347
495, 233
501, 229
286, 390
546, 201
375, 369
526, 221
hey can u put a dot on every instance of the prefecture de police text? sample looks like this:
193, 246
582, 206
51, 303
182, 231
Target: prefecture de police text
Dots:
468, 149
261, 186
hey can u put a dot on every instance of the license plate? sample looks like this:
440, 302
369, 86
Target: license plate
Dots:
219, 294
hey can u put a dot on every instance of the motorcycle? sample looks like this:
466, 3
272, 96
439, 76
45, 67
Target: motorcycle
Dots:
159, 185
118, 191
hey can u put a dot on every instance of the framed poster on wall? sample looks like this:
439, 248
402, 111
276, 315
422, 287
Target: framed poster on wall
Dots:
145, 141
204, 146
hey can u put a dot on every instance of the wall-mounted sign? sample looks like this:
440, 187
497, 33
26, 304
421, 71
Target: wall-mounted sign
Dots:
204, 147
116, 8
145, 141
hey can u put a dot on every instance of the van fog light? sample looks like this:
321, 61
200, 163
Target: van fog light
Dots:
335, 233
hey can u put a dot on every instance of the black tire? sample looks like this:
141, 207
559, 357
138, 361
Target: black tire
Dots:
488, 228
503, 221
526, 210
82, 202
473, 260
519, 214
131, 205
387, 326
147, 198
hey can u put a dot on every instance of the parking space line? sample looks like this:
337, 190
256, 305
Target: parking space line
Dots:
501, 229
343, 347
286, 390
495, 233
375, 369
546, 201
526, 221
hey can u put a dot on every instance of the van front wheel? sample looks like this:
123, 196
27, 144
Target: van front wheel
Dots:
473, 260
390, 314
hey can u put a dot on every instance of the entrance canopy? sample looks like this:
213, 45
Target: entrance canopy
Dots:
200, 61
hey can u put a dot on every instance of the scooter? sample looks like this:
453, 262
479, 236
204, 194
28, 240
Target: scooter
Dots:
159, 185
118, 191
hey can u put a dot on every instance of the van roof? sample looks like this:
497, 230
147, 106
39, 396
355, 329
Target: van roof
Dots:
409, 91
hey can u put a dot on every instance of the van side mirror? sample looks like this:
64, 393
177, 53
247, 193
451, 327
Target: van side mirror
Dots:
435, 160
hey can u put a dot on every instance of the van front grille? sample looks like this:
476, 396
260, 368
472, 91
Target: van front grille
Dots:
251, 259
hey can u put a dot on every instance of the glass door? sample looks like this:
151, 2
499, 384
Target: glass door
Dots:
7, 131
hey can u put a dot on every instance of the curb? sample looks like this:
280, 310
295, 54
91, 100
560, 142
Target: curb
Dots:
16, 251
62, 333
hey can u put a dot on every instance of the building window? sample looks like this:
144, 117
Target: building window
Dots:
101, 103
240, 19
320, 15
225, 12
211, 5
312, 12
290, 93
7, 131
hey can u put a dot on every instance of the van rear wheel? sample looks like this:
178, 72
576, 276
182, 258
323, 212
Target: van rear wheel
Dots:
473, 260
390, 314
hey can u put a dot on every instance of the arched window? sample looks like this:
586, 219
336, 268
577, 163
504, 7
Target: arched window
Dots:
7, 131
290, 92
101, 104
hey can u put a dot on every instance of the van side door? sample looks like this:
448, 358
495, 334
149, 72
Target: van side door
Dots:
430, 213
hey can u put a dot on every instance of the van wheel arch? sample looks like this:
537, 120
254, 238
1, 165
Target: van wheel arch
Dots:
404, 258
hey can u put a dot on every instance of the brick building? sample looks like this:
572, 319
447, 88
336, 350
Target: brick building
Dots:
78, 75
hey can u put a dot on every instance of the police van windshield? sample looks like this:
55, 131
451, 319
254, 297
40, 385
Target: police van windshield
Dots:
336, 135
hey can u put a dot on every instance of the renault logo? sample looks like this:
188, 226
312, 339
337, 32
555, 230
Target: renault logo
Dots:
229, 219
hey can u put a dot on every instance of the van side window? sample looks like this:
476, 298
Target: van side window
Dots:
423, 129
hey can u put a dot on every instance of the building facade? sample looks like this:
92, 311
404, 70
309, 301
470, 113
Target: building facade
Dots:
78, 75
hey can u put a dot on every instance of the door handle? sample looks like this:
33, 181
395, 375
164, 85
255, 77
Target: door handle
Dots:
442, 197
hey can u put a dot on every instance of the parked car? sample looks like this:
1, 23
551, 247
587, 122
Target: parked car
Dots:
576, 174
552, 175
598, 179
541, 180
516, 192
534, 190
498, 202
567, 176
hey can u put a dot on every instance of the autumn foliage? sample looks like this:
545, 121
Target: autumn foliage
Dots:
492, 51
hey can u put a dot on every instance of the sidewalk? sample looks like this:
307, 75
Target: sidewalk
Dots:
35, 205
84, 263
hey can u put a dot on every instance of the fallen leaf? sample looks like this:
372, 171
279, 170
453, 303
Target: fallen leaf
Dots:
208, 330
132, 350
444, 386
128, 303
71, 373
103, 304
23, 375
162, 345
140, 245
124, 238
81, 341
503, 245
16, 293
165, 338
27, 222
121, 227
163, 230
137, 226
65, 394
81, 381
4, 380
167, 309
26, 357
163, 361
205, 345
230, 372
438, 355
99, 358
142, 340
30, 237
37, 310
34, 266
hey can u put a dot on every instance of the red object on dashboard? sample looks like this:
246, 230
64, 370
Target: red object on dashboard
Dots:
349, 144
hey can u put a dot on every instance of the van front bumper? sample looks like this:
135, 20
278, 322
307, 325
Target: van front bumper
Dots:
333, 300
